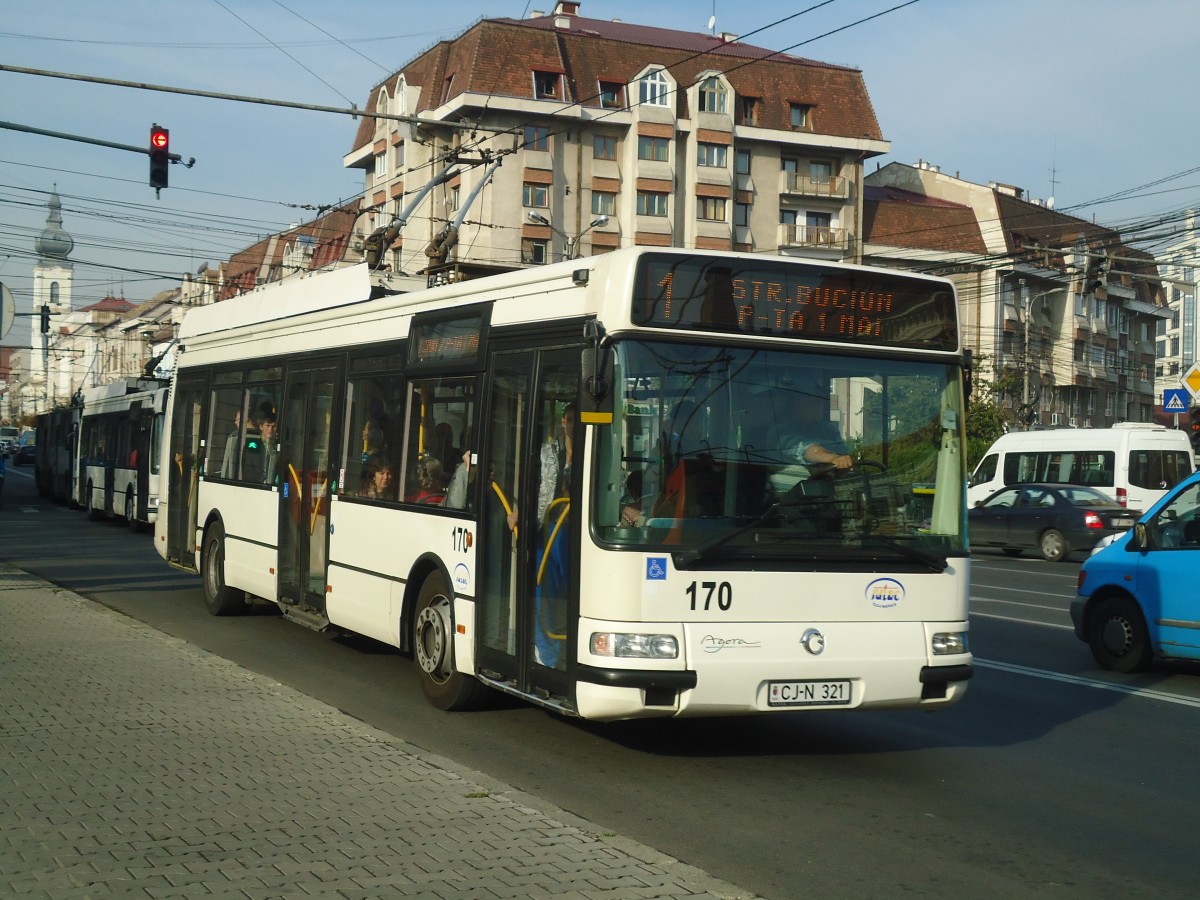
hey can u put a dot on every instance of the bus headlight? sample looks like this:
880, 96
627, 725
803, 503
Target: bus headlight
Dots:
634, 646
948, 643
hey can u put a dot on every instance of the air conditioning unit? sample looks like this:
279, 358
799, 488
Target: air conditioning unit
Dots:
1087, 423
1054, 419
1072, 421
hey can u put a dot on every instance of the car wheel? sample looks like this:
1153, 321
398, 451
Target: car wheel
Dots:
219, 598
1054, 546
433, 648
1011, 551
1118, 637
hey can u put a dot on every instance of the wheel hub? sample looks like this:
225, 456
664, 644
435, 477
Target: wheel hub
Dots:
1116, 636
433, 640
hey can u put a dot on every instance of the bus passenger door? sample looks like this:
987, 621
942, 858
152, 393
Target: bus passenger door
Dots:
302, 477
529, 532
183, 476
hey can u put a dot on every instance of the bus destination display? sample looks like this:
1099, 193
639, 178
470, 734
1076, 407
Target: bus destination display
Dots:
796, 300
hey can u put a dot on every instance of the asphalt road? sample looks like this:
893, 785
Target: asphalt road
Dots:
1050, 779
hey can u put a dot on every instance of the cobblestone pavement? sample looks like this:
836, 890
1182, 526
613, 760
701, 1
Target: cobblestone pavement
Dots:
136, 764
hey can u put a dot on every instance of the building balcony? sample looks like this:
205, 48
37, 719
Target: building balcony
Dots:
833, 187
820, 236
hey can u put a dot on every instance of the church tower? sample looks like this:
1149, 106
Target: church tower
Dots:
53, 272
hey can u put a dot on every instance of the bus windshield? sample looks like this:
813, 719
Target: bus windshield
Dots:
781, 457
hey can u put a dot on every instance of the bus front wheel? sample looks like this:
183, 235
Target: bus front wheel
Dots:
219, 598
433, 649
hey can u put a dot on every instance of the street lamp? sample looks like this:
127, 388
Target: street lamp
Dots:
572, 243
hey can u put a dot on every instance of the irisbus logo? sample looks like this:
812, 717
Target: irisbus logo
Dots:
885, 593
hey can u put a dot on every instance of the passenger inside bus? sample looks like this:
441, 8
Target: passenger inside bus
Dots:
425, 485
266, 425
378, 481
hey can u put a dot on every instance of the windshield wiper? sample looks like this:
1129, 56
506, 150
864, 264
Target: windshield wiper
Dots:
685, 558
937, 563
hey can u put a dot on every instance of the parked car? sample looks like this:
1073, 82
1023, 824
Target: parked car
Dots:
6, 446
1053, 519
1136, 598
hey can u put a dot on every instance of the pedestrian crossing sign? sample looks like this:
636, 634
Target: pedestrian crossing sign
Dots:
1175, 400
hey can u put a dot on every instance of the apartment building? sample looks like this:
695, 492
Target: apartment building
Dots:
558, 136
1056, 306
1177, 346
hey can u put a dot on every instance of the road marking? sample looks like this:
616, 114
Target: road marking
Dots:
1089, 682
981, 615
975, 599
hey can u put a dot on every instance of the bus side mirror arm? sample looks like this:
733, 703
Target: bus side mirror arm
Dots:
596, 394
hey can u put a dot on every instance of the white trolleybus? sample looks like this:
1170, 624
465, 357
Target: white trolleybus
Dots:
120, 450
649, 483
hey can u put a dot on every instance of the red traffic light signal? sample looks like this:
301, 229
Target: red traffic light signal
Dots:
160, 156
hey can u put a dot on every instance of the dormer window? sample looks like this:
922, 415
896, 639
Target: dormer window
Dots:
800, 113
545, 85
653, 88
612, 95
713, 95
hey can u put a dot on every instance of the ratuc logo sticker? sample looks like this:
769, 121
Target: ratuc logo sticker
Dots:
885, 593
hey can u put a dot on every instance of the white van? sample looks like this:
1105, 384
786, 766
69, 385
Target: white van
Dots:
1135, 464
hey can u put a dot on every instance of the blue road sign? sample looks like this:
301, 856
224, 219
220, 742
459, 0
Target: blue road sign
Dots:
1175, 400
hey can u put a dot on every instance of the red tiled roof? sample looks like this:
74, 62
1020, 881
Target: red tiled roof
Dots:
109, 304
900, 218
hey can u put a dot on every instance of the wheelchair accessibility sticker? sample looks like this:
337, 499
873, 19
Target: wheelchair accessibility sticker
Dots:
656, 568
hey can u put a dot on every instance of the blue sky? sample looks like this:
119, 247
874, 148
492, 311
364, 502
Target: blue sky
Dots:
1075, 99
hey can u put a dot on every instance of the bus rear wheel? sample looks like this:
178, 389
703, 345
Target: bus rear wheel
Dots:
433, 649
219, 598
131, 513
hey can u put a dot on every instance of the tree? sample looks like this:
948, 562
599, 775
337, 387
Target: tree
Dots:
986, 418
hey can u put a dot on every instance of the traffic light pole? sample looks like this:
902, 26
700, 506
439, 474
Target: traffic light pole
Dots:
12, 126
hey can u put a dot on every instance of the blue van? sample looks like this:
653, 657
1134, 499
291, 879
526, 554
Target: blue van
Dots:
1139, 597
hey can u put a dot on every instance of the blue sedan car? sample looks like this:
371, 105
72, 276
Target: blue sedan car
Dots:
1139, 597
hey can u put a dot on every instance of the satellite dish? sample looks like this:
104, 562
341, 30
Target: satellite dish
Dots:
712, 22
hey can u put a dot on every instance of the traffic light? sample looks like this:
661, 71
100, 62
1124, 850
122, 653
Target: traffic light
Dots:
1194, 431
45, 319
160, 156
1097, 281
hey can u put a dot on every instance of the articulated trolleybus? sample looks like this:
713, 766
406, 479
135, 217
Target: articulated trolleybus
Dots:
650, 483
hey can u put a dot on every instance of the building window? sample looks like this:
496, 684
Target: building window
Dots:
1080, 305
454, 198
819, 220
545, 85
535, 195
447, 88
741, 215
534, 252
398, 155
612, 95
537, 137
799, 114
716, 155
741, 162
604, 146
748, 110
651, 203
820, 171
604, 203
1174, 346
787, 217
710, 209
713, 96
380, 165
654, 148
653, 88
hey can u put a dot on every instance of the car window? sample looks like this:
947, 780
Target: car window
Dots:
1005, 498
985, 471
1177, 525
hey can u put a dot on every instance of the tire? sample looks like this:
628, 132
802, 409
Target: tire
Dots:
433, 650
93, 514
131, 513
1116, 632
1054, 546
1011, 551
219, 598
